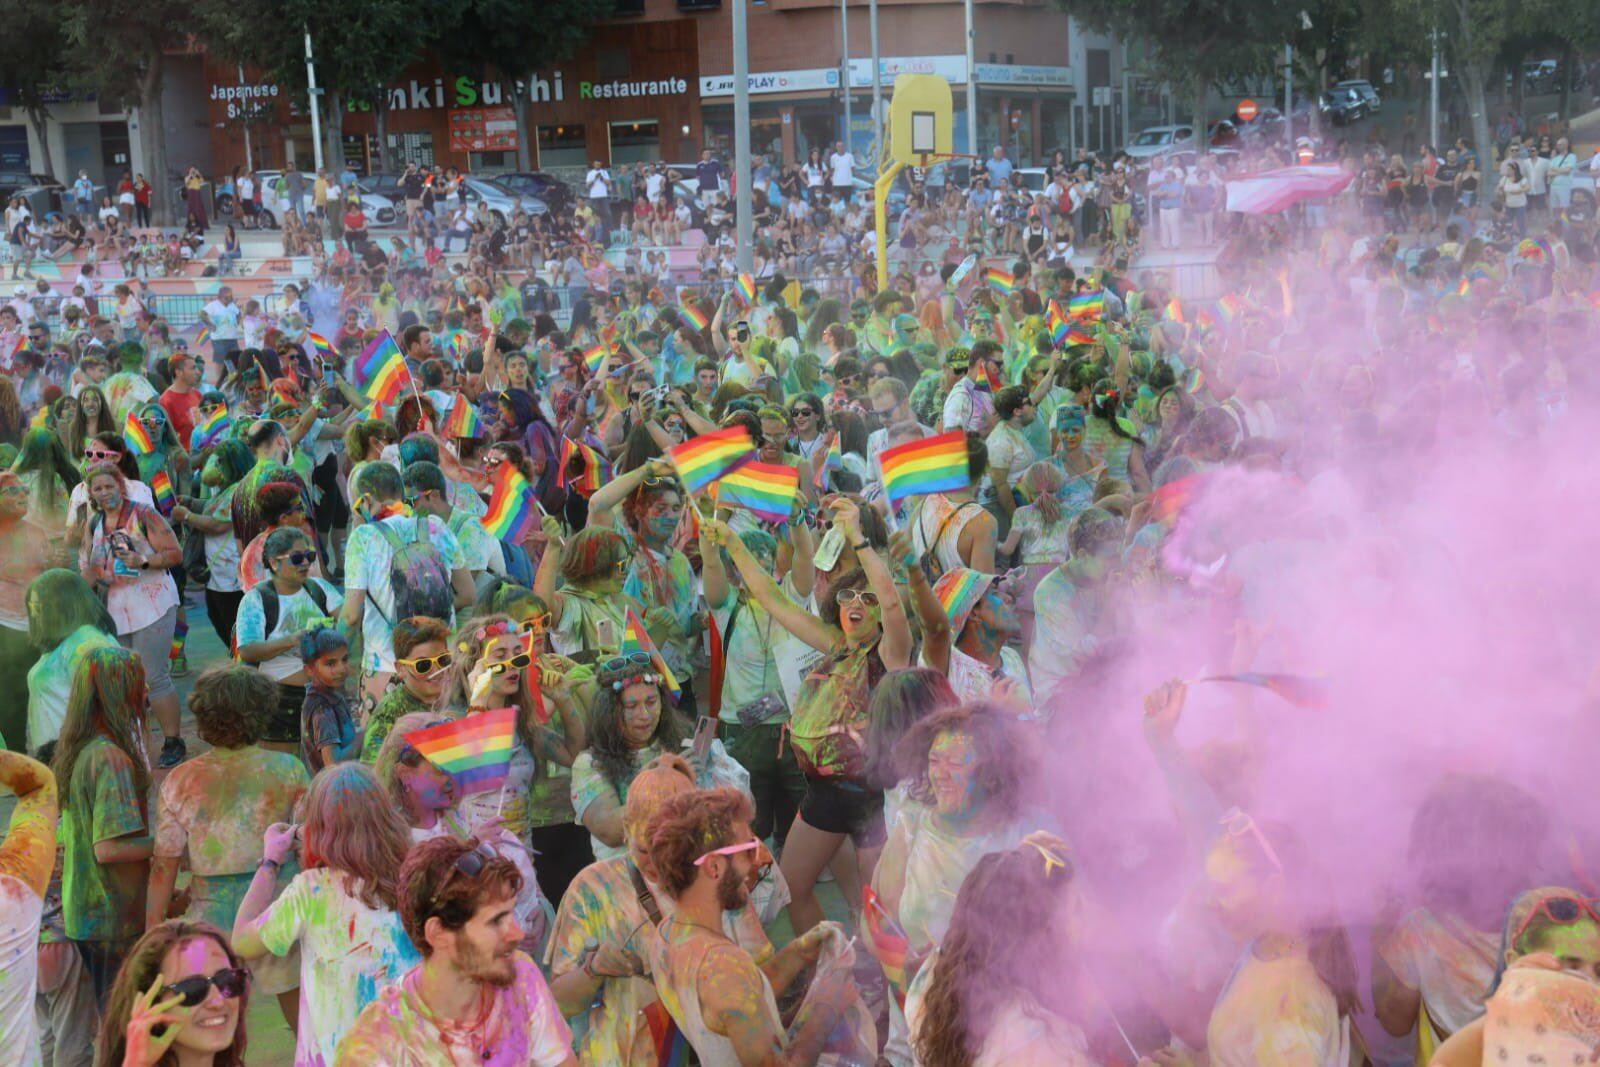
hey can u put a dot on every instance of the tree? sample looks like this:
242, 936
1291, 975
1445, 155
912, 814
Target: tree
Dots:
1198, 44
34, 57
360, 47
125, 42
507, 40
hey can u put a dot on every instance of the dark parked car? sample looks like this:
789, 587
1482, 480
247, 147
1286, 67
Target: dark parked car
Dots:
1342, 106
556, 193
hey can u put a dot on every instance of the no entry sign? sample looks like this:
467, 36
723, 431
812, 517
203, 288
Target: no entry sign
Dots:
1247, 110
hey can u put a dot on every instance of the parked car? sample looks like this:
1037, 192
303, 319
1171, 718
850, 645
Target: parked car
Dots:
1034, 179
1154, 140
552, 191
1540, 75
1341, 106
1373, 103
502, 202
1223, 132
379, 209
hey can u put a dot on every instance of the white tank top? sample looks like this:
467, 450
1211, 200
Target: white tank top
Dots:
939, 518
712, 1049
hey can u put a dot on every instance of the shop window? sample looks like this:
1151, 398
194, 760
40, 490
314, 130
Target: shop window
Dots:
635, 142
562, 146
410, 148
477, 161
14, 148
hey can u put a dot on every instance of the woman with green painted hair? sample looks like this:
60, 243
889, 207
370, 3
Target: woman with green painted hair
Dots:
65, 621
47, 471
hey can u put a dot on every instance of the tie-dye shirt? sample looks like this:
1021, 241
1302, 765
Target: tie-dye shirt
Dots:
101, 902
523, 1029
348, 954
215, 807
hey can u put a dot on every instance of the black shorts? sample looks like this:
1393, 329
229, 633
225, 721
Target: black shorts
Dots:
841, 807
332, 513
283, 722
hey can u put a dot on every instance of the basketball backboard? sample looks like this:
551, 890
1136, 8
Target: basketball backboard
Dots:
920, 119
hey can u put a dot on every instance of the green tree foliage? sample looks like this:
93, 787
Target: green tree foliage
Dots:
35, 62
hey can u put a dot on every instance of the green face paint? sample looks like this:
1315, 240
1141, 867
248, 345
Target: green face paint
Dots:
1576, 944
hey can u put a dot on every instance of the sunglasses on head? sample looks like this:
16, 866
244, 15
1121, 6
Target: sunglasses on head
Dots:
300, 559
426, 664
850, 596
625, 661
230, 982
468, 864
1561, 911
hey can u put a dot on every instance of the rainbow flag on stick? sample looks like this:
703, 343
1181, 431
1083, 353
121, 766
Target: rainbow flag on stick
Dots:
745, 286
1059, 323
139, 440
932, 465
211, 431
1004, 281
380, 371
322, 344
1229, 308
203, 337
1300, 691
513, 511
1077, 335
832, 460
1087, 306
635, 638
594, 356
475, 751
704, 459
596, 471
695, 318
463, 420
1174, 312
161, 489
887, 941
767, 490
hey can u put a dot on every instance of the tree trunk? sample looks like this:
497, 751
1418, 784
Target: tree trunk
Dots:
1201, 141
1519, 85
333, 151
1569, 59
38, 117
151, 112
380, 119
1473, 75
525, 133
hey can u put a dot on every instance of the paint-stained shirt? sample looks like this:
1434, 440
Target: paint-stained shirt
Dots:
26, 859
216, 806
395, 702
367, 558
1277, 1011
523, 1028
101, 902
348, 954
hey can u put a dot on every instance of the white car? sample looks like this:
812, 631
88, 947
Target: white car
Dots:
1154, 140
378, 209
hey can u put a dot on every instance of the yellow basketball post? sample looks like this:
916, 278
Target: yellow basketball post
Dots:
919, 131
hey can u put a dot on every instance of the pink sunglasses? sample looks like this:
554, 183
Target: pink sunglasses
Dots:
731, 850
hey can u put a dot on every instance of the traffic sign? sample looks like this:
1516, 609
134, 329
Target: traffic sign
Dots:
1247, 110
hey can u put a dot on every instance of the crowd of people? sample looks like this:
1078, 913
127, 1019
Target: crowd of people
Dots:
907, 775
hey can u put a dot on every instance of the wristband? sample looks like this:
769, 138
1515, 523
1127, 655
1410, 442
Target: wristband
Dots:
268, 861
860, 546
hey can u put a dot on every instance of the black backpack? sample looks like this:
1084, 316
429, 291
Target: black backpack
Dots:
418, 575
270, 603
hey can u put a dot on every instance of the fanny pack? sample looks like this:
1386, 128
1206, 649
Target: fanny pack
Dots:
765, 709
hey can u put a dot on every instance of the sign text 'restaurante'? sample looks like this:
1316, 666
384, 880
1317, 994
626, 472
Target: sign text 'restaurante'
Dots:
618, 89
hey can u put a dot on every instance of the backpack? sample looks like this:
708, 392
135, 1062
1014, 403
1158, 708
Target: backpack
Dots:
519, 568
271, 603
419, 577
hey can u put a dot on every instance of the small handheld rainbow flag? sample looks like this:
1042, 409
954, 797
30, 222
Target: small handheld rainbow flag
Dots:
671, 1047
745, 286
380, 371
933, 465
887, 941
513, 511
1229, 308
1174, 312
1194, 379
463, 420
1060, 324
161, 489
203, 337
1087, 306
475, 750
1300, 691
212, 430
999, 279
832, 460
322, 344
693, 316
702, 460
767, 490
635, 638
1077, 335
596, 471
139, 440
594, 356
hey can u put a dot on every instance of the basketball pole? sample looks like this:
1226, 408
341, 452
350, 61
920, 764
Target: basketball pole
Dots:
880, 212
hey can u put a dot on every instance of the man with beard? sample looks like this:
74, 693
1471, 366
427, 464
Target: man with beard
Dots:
474, 999
705, 854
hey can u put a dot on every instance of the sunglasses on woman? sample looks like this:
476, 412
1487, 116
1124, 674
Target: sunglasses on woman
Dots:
300, 559
866, 596
517, 662
625, 661
426, 664
797, 412
536, 624
95, 455
1561, 911
230, 982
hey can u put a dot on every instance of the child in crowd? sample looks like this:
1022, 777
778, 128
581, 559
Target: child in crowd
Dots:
328, 731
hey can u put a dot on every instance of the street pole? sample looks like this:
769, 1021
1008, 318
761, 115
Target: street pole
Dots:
744, 219
316, 120
1288, 99
1433, 94
972, 84
844, 33
249, 161
877, 88
1127, 100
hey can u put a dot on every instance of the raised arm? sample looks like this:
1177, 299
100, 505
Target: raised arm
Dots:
935, 624
29, 851
614, 492
766, 591
895, 651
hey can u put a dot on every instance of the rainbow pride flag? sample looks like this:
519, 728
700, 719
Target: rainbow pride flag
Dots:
767, 490
932, 465
1077, 335
203, 337
513, 511
1004, 281
832, 460
139, 440
463, 420
1298, 690
702, 460
695, 318
959, 591
594, 356
1087, 306
161, 489
1229, 308
322, 344
211, 431
887, 941
745, 286
635, 638
380, 371
475, 750
1060, 324
1174, 312
1194, 379
596, 471
671, 1047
